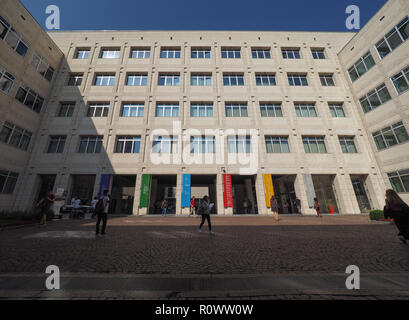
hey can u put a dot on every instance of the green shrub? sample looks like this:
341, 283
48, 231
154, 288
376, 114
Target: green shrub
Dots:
376, 214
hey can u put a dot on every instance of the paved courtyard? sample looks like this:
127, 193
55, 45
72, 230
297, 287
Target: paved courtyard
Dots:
166, 257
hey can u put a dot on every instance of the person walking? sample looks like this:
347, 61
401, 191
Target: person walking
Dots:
297, 203
398, 210
204, 210
317, 207
192, 206
164, 207
45, 205
101, 209
274, 207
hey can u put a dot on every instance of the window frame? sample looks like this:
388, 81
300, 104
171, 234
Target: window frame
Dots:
60, 141
135, 142
242, 108
282, 140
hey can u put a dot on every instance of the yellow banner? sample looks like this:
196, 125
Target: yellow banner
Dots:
268, 187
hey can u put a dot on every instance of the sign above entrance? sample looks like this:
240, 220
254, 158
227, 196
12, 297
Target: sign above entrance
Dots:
227, 191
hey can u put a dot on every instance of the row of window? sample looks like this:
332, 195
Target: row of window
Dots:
15, 136
196, 53
12, 38
42, 67
198, 79
273, 109
200, 144
8, 180
390, 136
399, 180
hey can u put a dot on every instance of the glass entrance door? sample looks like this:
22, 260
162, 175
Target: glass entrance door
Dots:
360, 194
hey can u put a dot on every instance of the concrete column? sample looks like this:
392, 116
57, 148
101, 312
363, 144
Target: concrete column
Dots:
300, 192
345, 195
179, 194
261, 195
137, 195
376, 189
25, 199
219, 194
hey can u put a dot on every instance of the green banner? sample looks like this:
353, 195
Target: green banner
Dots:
145, 188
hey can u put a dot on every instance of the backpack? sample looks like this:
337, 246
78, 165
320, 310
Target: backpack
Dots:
99, 207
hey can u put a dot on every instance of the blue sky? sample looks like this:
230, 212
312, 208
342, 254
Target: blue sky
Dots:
298, 15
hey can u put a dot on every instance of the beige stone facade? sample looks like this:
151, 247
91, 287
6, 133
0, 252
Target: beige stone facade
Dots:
349, 182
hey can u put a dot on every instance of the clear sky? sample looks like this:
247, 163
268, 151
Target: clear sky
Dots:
297, 15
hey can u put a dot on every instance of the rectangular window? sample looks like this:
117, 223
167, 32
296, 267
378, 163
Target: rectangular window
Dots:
30, 98
110, 53
201, 110
399, 180
167, 144
136, 79
318, 54
66, 109
82, 53
168, 79
170, 53
90, 144
347, 144
239, 144
202, 144
236, 110
297, 80
375, 98
98, 110
15, 136
102, 80
200, 53
231, 53
401, 80
261, 53
201, 79
128, 144
12, 38
6, 80
167, 110
132, 110
360, 67
265, 79
337, 110
305, 110
291, 53
8, 180
75, 79
390, 136
140, 53
56, 144
42, 67
233, 79
314, 144
327, 80
271, 110
277, 144
394, 38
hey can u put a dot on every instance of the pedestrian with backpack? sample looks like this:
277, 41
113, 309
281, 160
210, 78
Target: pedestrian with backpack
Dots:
204, 210
101, 210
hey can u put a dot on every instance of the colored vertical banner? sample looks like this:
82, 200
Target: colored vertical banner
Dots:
186, 190
103, 184
309, 189
269, 188
227, 191
145, 190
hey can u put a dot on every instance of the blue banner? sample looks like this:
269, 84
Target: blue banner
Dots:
103, 184
186, 184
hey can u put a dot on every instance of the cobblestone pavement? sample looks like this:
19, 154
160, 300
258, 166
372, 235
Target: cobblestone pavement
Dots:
173, 247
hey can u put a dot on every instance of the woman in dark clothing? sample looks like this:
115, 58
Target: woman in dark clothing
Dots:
45, 204
398, 210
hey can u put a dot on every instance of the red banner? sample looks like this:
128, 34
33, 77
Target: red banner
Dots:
227, 191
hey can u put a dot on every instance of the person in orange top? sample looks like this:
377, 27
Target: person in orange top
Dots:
192, 206
317, 207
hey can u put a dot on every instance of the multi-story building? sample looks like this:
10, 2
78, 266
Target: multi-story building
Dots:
29, 61
239, 116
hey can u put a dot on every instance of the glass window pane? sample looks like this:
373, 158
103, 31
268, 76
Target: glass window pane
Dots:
401, 134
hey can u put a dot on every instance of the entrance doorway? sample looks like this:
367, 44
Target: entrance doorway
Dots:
46, 183
163, 187
83, 188
204, 185
285, 193
324, 191
122, 194
244, 194
358, 182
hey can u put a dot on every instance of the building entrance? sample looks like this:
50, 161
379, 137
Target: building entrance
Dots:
204, 185
122, 194
83, 188
325, 192
244, 194
163, 187
285, 193
46, 183
358, 182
